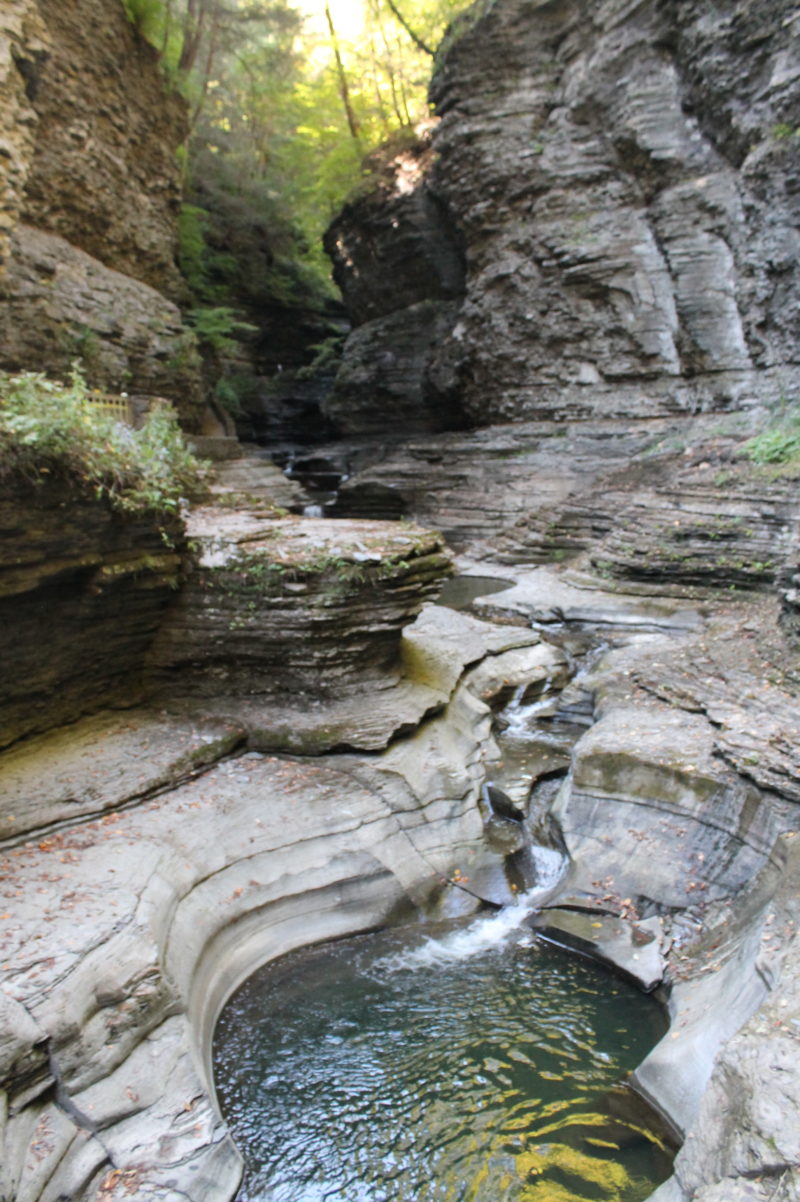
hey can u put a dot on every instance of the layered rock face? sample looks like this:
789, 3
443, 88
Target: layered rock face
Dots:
89, 207
103, 173
399, 262
624, 179
83, 590
295, 607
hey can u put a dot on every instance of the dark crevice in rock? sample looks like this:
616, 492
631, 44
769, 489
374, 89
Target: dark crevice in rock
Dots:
62, 1097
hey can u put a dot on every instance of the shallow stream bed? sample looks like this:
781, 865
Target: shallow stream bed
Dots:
474, 1063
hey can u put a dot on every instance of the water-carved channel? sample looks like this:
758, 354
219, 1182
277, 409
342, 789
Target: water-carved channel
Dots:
473, 1063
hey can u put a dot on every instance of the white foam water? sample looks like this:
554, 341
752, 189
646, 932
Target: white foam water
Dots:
486, 933
518, 714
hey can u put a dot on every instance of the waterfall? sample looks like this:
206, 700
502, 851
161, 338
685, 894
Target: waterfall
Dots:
485, 933
519, 714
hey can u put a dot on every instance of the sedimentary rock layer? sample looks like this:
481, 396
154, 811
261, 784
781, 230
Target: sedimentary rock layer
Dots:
58, 305
89, 204
624, 181
292, 607
103, 174
82, 592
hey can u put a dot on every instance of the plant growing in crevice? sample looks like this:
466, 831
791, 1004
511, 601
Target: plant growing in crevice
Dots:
779, 444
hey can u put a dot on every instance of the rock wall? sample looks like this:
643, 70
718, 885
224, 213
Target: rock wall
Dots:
399, 263
624, 179
102, 172
83, 590
22, 49
88, 211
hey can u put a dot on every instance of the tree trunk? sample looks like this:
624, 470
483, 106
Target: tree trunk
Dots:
344, 91
415, 38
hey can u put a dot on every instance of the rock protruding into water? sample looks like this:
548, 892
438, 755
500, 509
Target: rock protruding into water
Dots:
295, 607
125, 932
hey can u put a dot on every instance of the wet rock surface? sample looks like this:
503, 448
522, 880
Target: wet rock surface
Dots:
124, 933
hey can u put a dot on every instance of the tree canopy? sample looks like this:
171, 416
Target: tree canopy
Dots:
285, 103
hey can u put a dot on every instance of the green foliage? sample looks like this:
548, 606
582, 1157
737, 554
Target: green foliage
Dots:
146, 15
783, 130
192, 249
233, 392
283, 112
48, 428
215, 328
780, 442
271, 141
326, 356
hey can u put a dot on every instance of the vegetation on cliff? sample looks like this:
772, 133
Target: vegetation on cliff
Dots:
48, 428
284, 107
778, 444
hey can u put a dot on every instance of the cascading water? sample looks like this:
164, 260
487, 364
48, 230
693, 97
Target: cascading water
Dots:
473, 1064
467, 1063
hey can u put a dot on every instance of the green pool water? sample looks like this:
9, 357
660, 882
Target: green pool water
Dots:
476, 1064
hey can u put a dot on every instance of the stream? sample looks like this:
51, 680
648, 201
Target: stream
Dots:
476, 1063
469, 1061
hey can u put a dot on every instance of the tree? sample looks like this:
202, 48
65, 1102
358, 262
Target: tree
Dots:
282, 115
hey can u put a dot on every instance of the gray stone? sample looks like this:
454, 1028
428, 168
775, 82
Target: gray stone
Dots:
126, 335
633, 949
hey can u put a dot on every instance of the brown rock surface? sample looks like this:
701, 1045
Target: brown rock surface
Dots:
82, 591
294, 606
21, 51
89, 202
103, 174
59, 305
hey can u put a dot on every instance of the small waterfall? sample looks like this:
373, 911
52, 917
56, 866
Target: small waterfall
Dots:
519, 714
313, 511
488, 932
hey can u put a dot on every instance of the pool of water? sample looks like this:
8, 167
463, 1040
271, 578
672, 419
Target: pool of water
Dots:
473, 1064
460, 591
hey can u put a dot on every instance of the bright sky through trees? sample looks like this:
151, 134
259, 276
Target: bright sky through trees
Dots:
348, 17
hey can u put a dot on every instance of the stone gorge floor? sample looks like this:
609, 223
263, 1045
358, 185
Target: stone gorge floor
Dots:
167, 851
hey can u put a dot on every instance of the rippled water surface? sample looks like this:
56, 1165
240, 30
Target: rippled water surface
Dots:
404, 1068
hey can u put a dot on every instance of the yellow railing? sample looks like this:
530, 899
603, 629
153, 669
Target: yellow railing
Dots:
118, 407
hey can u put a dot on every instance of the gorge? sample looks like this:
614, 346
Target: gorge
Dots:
233, 730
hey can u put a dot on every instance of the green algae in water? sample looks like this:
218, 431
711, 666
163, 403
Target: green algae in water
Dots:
382, 1068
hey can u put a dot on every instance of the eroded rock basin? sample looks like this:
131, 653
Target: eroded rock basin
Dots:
443, 1062
124, 933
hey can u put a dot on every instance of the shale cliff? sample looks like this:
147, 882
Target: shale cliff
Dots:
623, 180
89, 202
